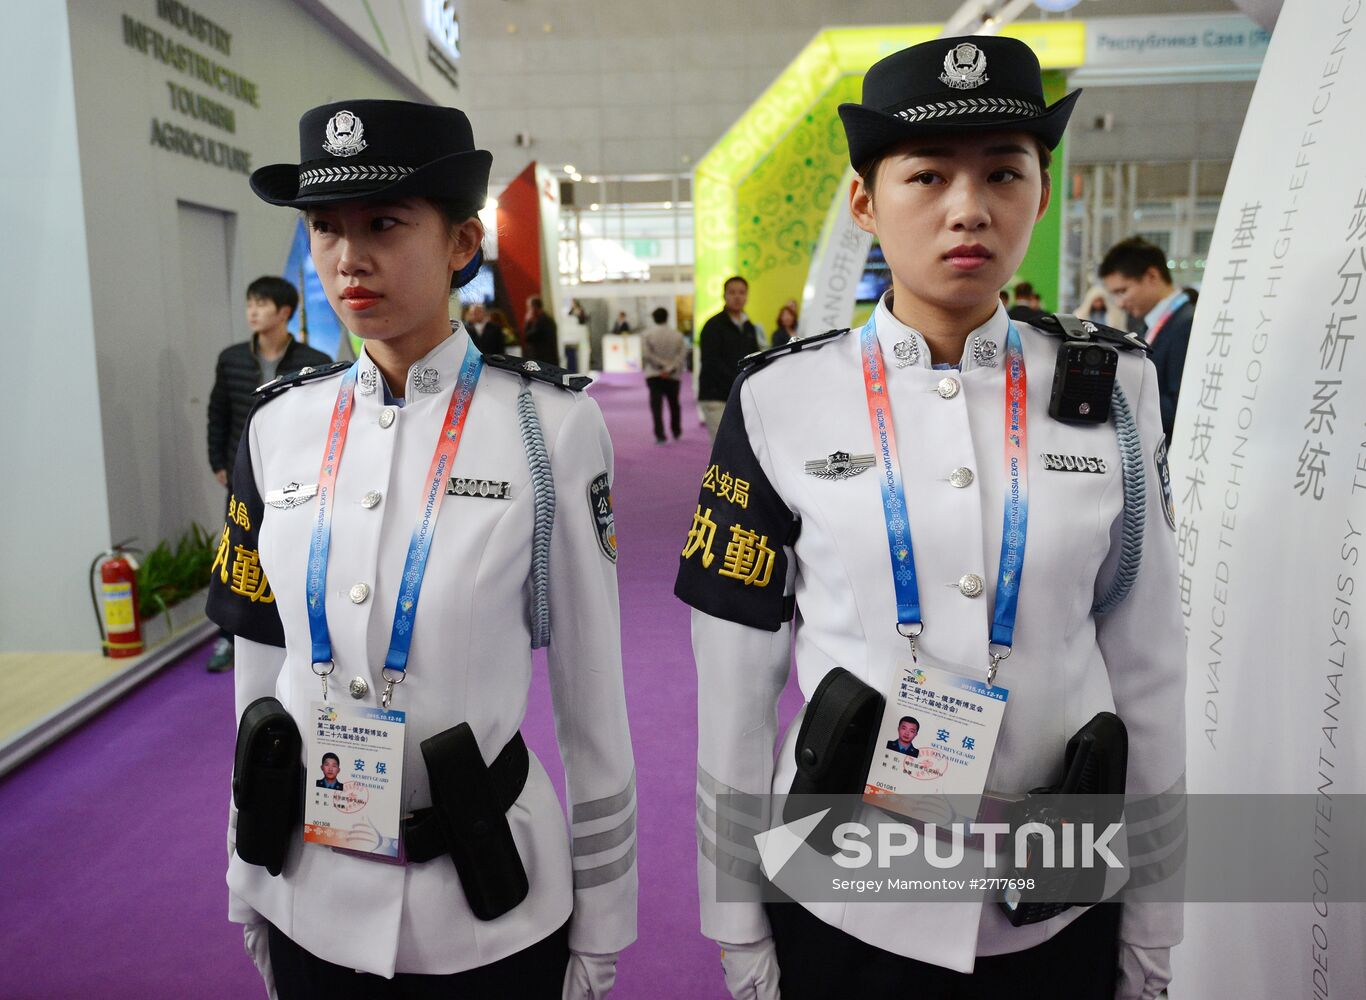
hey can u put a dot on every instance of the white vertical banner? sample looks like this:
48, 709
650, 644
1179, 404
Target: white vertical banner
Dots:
1269, 473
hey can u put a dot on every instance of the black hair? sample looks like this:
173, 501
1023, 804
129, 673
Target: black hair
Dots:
1133, 257
333, 756
660, 314
276, 290
911, 719
1024, 290
734, 277
455, 212
869, 169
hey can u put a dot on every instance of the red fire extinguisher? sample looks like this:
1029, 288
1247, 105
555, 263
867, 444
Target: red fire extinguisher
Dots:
116, 607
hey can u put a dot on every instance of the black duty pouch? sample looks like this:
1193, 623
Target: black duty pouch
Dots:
472, 817
834, 749
267, 780
1094, 768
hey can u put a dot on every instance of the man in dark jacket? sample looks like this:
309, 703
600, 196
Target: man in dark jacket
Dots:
1135, 273
723, 343
241, 368
542, 337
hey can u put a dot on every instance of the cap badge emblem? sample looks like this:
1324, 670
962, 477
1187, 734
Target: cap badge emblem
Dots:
965, 67
345, 135
907, 352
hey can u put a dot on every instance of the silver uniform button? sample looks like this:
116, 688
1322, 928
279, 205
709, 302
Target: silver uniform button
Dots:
961, 477
362, 590
947, 388
371, 500
970, 585
359, 688
386, 416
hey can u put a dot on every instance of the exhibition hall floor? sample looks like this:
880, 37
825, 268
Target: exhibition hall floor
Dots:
112, 842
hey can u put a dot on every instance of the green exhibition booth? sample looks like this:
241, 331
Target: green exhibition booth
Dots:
761, 194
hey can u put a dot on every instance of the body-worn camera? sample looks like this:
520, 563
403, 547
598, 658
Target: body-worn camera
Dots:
1083, 381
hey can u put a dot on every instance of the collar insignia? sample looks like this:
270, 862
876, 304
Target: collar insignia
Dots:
369, 381
984, 351
907, 352
345, 135
291, 495
965, 67
839, 465
426, 380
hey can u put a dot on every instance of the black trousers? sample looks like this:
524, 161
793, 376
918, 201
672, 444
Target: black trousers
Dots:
536, 973
660, 390
818, 961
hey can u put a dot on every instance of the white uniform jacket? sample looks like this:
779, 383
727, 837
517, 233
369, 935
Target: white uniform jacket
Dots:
470, 657
830, 553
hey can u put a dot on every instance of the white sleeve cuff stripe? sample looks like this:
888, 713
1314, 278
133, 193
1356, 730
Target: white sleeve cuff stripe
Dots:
598, 808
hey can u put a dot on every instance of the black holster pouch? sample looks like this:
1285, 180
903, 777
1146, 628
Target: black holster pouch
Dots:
1095, 765
834, 750
470, 801
266, 783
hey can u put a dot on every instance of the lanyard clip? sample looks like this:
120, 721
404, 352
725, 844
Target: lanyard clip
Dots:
324, 668
911, 631
998, 653
391, 677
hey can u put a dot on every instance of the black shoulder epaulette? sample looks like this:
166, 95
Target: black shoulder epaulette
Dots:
280, 383
753, 362
1069, 327
540, 371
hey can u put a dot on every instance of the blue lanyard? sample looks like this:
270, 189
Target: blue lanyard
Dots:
419, 547
1015, 521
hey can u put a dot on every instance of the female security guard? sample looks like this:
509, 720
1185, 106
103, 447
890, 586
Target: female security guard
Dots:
835, 439
380, 509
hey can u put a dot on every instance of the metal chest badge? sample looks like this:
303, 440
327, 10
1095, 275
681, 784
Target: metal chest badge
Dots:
600, 504
839, 465
965, 67
1164, 477
345, 135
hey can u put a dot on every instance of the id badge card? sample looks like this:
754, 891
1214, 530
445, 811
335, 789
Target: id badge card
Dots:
354, 790
938, 733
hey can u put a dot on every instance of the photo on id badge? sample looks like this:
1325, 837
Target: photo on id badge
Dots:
938, 732
354, 802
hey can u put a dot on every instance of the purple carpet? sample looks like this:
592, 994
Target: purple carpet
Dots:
112, 842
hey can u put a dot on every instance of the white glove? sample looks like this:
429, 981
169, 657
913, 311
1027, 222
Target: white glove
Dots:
589, 977
1143, 972
751, 970
256, 938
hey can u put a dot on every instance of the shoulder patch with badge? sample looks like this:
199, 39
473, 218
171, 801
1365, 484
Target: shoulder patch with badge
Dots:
604, 521
541, 371
1164, 478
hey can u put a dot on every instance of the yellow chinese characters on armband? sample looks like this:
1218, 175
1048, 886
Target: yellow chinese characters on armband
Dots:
700, 536
239, 567
748, 557
237, 514
726, 486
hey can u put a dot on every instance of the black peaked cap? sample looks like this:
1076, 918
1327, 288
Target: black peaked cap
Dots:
379, 149
961, 84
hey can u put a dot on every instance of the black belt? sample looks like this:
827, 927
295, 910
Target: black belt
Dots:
422, 838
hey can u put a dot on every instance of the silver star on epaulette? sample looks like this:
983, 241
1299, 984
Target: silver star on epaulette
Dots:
839, 465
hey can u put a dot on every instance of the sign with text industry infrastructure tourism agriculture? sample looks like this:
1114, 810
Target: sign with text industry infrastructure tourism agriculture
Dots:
1269, 471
